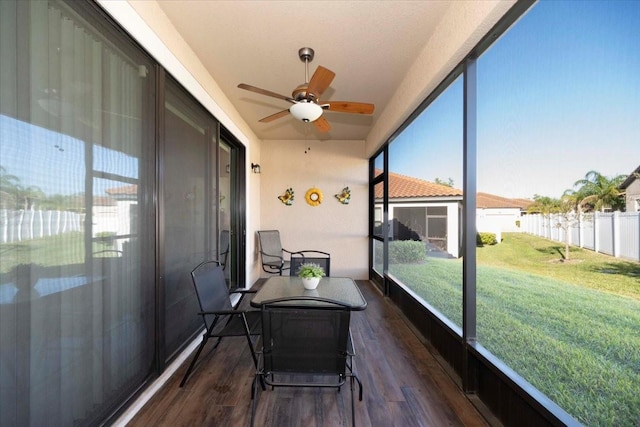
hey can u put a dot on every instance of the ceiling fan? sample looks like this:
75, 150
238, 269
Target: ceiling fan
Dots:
307, 106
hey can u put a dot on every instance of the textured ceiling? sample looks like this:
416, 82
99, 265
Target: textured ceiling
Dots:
370, 45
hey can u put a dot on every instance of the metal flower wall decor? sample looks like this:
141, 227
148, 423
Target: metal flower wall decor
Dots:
344, 196
313, 196
287, 198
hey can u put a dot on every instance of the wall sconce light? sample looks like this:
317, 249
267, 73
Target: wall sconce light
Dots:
255, 167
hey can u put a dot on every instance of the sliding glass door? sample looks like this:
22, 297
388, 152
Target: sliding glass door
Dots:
77, 300
190, 206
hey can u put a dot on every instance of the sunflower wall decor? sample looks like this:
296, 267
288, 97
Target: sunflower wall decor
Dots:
313, 196
344, 196
287, 198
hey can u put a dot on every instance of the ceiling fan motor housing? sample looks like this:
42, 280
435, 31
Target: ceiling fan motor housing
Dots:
300, 93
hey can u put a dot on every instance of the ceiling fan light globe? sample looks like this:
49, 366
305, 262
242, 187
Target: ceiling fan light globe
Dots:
306, 111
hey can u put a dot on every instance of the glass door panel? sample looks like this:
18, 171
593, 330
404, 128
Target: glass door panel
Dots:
189, 207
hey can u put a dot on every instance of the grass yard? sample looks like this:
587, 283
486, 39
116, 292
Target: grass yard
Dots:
575, 322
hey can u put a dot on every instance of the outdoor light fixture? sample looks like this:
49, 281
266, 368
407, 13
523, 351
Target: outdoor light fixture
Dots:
255, 167
306, 111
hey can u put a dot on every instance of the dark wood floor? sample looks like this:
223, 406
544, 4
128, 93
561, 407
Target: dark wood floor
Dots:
403, 385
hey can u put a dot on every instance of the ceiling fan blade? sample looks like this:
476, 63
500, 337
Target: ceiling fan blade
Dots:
274, 116
265, 92
320, 81
348, 107
322, 124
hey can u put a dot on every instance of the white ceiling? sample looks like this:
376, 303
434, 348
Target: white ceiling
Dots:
370, 45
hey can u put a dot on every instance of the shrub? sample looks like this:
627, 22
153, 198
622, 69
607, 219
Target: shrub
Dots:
106, 238
485, 238
406, 252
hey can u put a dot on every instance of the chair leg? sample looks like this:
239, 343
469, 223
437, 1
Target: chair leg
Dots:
254, 397
252, 349
353, 408
205, 338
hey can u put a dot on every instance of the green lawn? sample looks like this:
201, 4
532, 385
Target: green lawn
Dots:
576, 322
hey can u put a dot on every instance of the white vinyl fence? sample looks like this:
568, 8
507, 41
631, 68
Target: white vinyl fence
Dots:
612, 233
19, 225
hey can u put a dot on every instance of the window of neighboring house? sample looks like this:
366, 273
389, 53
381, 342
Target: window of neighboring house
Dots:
557, 96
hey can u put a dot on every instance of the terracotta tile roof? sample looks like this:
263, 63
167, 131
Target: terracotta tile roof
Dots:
401, 186
125, 189
486, 200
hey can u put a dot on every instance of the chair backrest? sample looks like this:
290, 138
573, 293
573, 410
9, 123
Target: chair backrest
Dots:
211, 289
270, 247
305, 335
320, 258
224, 248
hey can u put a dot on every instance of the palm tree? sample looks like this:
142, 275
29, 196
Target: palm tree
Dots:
29, 195
8, 188
598, 192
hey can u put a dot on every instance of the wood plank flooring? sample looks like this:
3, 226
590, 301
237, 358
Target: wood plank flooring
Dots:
403, 385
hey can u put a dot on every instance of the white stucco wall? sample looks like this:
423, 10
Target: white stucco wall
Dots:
633, 196
332, 227
498, 220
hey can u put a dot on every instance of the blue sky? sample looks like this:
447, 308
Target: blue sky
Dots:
558, 96
55, 162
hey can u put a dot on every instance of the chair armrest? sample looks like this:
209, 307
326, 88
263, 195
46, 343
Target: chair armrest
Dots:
308, 252
272, 255
220, 312
243, 291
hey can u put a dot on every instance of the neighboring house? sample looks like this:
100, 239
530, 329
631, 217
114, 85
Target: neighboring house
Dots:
631, 189
126, 214
498, 214
431, 212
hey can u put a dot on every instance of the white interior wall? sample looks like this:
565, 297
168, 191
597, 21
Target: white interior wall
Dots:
340, 229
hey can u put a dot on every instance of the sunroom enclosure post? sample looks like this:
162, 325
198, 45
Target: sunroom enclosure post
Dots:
469, 222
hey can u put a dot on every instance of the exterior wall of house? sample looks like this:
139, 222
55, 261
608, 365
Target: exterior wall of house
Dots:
498, 220
633, 196
340, 229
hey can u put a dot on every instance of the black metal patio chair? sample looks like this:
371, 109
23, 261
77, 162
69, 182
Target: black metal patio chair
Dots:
275, 258
323, 259
306, 342
221, 318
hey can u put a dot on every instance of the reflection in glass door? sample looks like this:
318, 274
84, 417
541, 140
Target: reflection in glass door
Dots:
189, 210
225, 242
230, 212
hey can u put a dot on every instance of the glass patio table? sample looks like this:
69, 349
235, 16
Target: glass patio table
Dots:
340, 289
